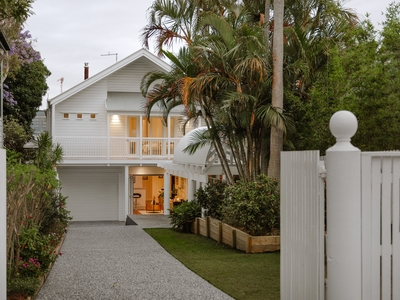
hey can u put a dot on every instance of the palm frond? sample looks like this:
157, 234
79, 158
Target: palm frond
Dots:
198, 139
272, 116
224, 29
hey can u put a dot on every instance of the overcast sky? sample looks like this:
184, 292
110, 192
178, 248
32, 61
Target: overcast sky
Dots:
72, 32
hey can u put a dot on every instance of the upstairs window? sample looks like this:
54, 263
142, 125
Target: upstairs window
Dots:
92, 116
66, 116
79, 116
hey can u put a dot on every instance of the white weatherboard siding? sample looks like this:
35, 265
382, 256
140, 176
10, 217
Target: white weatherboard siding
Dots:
94, 194
118, 125
90, 100
128, 78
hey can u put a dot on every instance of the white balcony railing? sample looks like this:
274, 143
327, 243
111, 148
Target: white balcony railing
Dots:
117, 147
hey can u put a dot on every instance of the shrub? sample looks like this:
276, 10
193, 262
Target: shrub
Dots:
184, 214
253, 206
36, 252
26, 286
211, 198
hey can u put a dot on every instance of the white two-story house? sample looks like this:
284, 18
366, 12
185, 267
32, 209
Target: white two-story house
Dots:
113, 154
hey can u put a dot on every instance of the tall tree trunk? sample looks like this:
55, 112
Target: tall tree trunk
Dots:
218, 146
264, 144
276, 142
266, 21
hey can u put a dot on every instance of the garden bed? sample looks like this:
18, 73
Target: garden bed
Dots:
223, 233
42, 279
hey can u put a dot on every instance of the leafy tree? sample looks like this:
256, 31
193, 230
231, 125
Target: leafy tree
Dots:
26, 85
13, 14
15, 11
15, 135
26, 89
361, 76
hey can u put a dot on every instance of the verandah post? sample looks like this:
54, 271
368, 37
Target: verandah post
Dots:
343, 187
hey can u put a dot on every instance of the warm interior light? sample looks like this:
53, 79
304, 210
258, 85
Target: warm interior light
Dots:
115, 119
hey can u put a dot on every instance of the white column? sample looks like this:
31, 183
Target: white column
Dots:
140, 136
108, 136
191, 189
127, 194
3, 226
343, 186
167, 193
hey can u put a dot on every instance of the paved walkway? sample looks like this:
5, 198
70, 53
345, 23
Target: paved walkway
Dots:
108, 260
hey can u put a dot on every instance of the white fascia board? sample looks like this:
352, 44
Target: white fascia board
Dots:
111, 162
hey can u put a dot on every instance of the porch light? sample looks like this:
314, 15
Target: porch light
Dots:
115, 119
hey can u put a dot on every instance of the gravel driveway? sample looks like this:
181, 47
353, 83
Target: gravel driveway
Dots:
108, 260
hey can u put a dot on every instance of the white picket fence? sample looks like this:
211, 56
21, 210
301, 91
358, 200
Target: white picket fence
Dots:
302, 226
361, 256
380, 225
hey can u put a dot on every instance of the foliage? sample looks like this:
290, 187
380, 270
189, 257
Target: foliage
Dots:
25, 91
15, 135
36, 214
33, 201
223, 72
253, 206
211, 198
36, 252
26, 286
185, 213
55, 218
240, 275
15, 10
13, 14
24, 78
362, 76
48, 154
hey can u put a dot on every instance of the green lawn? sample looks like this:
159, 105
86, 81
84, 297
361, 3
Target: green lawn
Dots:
242, 276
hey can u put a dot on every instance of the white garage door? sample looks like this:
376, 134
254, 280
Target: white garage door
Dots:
92, 194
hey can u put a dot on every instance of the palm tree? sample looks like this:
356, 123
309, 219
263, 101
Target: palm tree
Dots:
310, 28
174, 21
237, 75
48, 155
276, 140
225, 78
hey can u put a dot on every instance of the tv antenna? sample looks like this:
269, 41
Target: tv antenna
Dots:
61, 80
116, 55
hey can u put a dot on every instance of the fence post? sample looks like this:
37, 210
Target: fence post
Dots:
343, 187
3, 226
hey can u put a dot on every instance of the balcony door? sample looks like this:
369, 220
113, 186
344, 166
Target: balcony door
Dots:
153, 133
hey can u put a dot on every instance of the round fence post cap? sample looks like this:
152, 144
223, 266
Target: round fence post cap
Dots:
343, 125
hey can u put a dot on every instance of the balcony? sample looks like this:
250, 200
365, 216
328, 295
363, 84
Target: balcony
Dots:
117, 147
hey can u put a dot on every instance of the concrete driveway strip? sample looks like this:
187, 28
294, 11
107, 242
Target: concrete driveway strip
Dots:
108, 260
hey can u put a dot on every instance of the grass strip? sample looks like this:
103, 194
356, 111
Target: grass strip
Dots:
240, 275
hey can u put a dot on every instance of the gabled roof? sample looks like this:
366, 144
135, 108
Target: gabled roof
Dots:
110, 70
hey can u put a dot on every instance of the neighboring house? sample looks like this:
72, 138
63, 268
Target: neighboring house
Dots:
111, 151
39, 123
